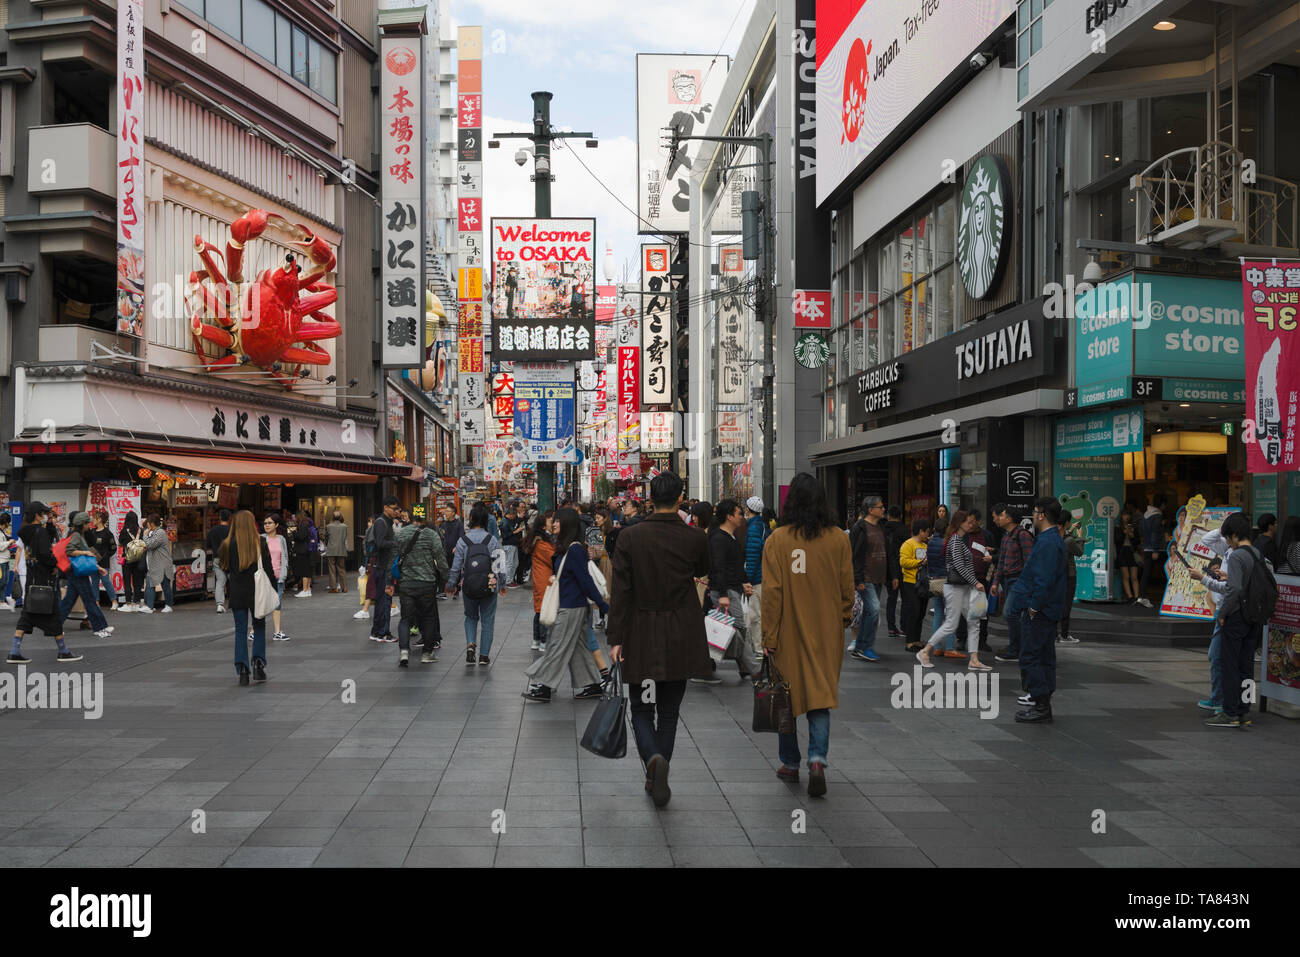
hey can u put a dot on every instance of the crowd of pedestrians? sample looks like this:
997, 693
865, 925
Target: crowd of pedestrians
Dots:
651, 574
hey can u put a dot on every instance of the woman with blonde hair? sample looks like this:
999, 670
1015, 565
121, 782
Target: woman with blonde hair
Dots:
240, 554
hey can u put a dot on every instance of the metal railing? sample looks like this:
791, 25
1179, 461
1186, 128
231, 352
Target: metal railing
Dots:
1198, 185
1271, 205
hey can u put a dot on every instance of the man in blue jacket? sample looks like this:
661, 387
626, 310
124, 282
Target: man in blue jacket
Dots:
1039, 596
756, 532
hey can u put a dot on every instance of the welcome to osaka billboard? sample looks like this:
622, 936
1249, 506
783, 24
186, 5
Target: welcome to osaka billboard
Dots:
543, 289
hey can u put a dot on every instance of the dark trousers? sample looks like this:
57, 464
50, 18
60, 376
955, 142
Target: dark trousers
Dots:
1237, 661
540, 631
419, 610
383, 602
1015, 623
1038, 656
914, 601
652, 738
79, 586
133, 581
1148, 565
891, 605
1071, 583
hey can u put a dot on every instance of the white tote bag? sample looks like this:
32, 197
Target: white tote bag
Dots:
265, 596
551, 599
598, 579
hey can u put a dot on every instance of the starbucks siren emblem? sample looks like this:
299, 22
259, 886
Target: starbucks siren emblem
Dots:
981, 238
811, 350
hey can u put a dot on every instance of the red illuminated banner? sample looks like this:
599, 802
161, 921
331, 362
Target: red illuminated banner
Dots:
629, 399
1272, 313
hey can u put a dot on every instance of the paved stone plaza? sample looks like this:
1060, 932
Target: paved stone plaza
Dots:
446, 765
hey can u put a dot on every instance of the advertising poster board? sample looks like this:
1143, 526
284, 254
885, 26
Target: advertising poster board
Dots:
1282, 644
1091, 490
1184, 597
543, 289
545, 411
1272, 363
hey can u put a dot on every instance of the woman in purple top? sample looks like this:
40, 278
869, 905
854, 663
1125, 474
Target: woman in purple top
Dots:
567, 644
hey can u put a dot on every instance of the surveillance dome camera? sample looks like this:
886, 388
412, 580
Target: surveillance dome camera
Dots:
521, 157
979, 61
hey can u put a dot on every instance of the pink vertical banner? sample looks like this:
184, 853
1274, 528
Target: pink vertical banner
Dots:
1271, 289
130, 167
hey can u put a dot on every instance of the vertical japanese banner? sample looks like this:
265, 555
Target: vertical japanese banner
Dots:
1272, 307
502, 418
656, 326
130, 167
401, 134
629, 400
475, 422
731, 328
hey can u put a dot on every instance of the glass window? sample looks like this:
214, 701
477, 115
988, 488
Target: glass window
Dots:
941, 289
872, 340
300, 54
1023, 47
328, 70
314, 54
1036, 32
1022, 15
888, 268
924, 242
1022, 82
945, 230
195, 5
1037, 8
888, 330
282, 57
224, 15
259, 28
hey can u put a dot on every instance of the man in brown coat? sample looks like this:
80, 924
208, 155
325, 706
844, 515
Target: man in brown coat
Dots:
656, 625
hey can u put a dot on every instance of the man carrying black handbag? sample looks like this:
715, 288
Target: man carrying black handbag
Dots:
656, 625
40, 603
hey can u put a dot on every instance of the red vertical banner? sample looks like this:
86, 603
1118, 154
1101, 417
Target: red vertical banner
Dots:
629, 399
1272, 310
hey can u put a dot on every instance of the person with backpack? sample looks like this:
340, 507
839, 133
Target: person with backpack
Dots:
79, 581
478, 569
306, 541
1215, 580
133, 562
420, 565
40, 595
241, 553
1248, 603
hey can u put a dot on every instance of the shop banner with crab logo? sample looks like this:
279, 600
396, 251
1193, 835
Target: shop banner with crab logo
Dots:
401, 222
130, 167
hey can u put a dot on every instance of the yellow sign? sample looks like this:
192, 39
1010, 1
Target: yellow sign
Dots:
471, 283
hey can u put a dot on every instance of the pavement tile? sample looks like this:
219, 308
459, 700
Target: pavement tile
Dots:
627, 856
273, 857
454, 856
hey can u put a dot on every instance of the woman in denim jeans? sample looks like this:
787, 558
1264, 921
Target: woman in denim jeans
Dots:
277, 545
807, 603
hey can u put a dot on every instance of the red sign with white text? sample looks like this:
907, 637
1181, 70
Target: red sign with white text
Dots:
629, 399
1272, 311
812, 308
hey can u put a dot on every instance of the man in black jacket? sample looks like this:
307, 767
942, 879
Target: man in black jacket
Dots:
385, 550
38, 538
895, 534
212, 545
452, 529
728, 579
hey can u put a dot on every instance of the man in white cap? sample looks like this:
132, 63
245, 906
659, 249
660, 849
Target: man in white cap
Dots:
756, 532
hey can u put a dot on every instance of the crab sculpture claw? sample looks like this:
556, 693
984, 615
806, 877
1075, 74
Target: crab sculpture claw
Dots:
320, 254
249, 226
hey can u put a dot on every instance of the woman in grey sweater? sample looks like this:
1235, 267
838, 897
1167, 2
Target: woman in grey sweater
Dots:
158, 562
337, 539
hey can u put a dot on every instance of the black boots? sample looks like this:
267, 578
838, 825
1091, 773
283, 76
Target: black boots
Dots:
243, 673
657, 780
259, 670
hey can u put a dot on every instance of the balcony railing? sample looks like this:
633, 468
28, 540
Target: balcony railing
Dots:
1197, 197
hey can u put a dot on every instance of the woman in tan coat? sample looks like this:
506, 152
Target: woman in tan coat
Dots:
807, 604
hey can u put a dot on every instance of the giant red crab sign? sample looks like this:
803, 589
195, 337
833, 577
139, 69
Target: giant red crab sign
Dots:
272, 323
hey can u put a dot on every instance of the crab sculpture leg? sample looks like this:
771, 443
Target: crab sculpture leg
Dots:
212, 298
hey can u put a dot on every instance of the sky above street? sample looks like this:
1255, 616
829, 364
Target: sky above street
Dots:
585, 54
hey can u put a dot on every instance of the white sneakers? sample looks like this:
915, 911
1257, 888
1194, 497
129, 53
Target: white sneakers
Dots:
146, 609
167, 609
303, 594
104, 632
220, 608
126, 607
362, 614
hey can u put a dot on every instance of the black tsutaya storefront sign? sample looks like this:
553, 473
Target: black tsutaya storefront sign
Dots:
989, 354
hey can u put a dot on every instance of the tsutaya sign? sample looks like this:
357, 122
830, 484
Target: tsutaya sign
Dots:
990, 354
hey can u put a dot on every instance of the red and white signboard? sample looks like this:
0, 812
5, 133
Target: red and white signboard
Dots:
401, 128
130, 167
1272, 310
812, 308
629, 399
878, 61
606, 302
657, 431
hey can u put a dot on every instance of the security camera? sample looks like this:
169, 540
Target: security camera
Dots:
979, 61
521, 157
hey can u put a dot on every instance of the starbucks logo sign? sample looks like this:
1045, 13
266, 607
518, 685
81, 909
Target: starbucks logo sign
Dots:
812, 350
982, 237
